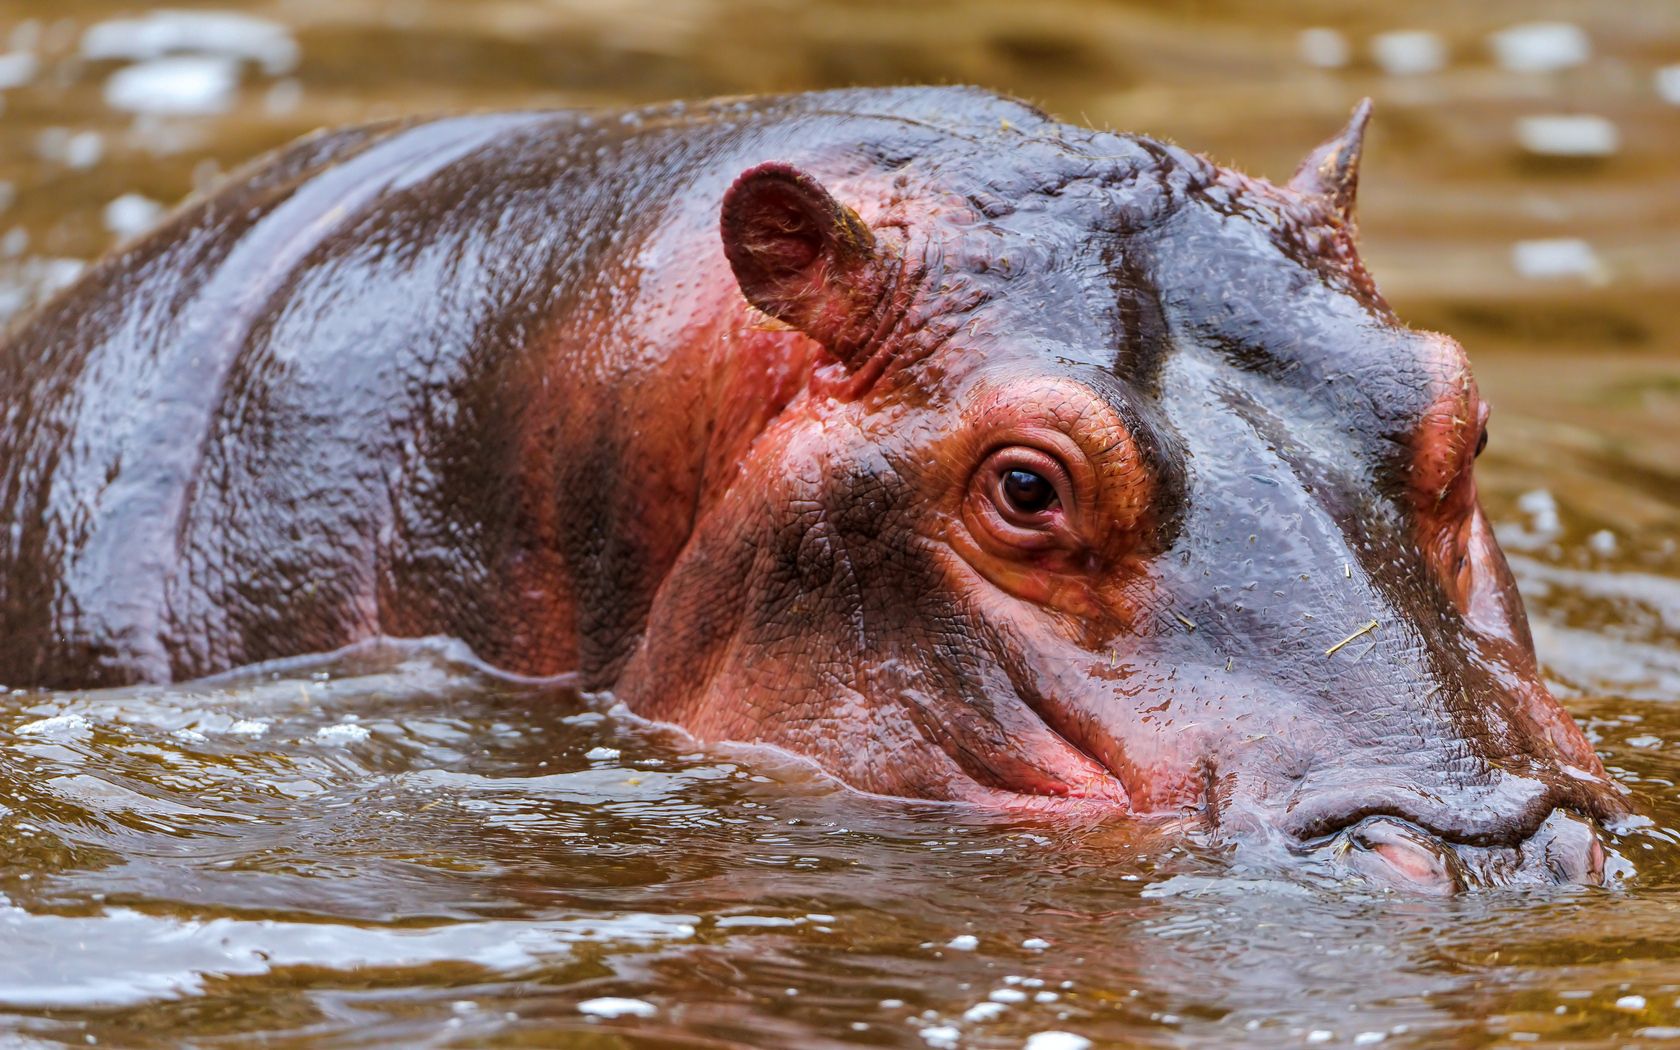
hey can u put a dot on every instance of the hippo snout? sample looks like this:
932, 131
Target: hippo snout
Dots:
1565, 848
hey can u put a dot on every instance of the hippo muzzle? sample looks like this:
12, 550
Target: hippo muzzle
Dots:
1431, 832
1390, 850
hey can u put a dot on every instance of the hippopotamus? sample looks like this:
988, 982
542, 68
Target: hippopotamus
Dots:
967, 454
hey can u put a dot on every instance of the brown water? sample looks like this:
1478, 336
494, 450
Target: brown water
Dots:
391, 849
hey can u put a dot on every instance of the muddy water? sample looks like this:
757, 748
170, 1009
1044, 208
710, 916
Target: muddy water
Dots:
391, 848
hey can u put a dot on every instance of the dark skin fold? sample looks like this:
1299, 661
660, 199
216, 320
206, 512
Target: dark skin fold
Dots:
971, 455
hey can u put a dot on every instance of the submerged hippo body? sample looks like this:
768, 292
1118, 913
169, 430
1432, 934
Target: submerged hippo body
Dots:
973, 456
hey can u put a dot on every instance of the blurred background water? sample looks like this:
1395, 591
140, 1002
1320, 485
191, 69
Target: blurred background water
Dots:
391, 849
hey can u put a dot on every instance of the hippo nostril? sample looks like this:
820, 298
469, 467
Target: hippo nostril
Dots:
1392, 851
1567, 848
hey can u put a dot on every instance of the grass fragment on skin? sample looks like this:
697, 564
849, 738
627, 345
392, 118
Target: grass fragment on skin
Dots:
1367, 629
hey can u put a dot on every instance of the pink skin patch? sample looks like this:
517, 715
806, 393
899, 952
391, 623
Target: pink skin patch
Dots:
1452, 530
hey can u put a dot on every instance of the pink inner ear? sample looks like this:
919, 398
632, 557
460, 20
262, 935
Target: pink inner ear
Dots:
802, 257
778, 233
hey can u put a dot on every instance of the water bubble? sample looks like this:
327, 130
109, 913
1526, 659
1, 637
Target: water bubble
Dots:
1667, 82
1408, 52
1602, 543
1552, 258
964, 942
1056, 1041
941, 1037
982, 1012
83, 149
1631, 1002
17, 68
131, 213
185, 85
1540, 47
1568, 135
74, 149
1322, 47
1542, 508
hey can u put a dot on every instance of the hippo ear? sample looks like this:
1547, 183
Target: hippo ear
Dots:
805, 259
1331, 172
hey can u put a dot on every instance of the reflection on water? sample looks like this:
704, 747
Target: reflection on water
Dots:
391, 847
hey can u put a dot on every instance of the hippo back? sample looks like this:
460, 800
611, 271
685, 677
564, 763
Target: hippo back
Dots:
421, 377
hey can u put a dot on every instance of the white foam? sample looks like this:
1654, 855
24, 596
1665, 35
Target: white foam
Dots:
940, 1037
612, 1006
343, 733
69, 725
195, 85
964, 942
161, 33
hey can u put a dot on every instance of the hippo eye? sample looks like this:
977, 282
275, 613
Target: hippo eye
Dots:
1030, 499
1028, 493
1027, 490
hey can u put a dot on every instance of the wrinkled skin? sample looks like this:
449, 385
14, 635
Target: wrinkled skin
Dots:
971, 455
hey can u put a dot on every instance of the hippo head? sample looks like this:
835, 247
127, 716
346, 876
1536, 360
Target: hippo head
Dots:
1117, 484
